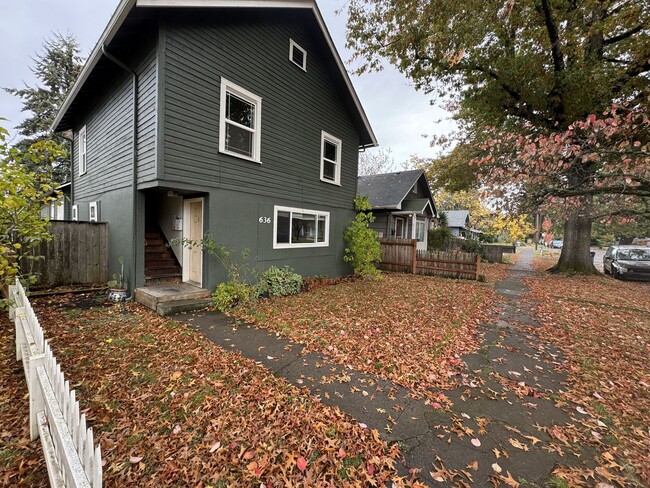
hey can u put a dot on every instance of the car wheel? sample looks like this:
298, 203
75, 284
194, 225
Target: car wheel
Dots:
615, 273
605, 270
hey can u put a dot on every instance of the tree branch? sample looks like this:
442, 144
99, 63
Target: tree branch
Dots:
622, 36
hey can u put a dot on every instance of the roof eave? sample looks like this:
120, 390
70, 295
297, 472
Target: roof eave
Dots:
125, 7
111, 29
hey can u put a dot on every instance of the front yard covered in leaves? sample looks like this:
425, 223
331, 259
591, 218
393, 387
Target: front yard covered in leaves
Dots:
170, 408
603, 327
408, 328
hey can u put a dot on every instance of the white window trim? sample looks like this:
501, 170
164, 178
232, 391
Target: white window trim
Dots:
283, 245
421, 224
339, 145
75, 213
92, 205
83, 151
227, 86
292, 46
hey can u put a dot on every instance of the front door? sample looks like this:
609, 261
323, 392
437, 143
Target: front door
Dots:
193, 255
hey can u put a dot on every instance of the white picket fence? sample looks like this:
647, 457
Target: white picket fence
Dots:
70, 454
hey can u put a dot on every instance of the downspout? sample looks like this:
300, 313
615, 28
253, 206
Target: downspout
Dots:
134, 169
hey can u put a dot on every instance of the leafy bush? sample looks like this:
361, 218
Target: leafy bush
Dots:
279, 282
230, 294
363, 249
473, 246
438, 238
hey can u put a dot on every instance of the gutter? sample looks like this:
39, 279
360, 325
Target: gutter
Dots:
134, 166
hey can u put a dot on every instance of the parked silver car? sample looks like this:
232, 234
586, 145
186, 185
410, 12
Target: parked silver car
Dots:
627, 262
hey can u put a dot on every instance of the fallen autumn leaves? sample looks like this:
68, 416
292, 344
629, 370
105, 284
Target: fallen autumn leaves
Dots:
603, 327
169, 407
410, 329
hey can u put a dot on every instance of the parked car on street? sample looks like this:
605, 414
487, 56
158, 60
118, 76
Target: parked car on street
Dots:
557, 244
631, 262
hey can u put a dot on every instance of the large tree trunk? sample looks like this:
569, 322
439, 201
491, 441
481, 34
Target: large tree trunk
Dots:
575, 257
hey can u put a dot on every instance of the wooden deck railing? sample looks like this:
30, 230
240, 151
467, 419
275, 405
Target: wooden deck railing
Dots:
70, 454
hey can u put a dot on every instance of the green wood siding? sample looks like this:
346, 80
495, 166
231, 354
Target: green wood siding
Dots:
147, 105
109, 131
251, 49
108, 143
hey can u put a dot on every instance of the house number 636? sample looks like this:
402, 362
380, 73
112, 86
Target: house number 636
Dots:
265, 220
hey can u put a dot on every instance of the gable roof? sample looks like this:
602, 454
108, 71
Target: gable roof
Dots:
457, 218
388, 190
127, 8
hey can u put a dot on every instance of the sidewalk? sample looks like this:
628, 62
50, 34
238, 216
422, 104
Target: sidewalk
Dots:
488, 422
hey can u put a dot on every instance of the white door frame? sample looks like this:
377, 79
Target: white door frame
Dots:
186, 235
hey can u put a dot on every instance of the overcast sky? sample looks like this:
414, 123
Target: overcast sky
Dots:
398, 114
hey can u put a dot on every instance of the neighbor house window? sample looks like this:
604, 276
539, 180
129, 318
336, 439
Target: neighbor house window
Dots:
240, 121
75, 212
400, 228
330, 159
53, 211
295, 227
93, 211
419, 231
297, 55
83, 158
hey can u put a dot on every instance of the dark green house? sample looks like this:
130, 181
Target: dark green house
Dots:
236, 118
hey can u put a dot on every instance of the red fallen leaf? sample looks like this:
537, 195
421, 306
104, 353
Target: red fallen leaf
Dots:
436, 405
341, 454
249, 455
301, 462
371, 469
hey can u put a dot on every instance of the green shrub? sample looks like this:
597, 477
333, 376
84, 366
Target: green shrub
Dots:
363, 249
279, 282
473, 246
439, 238
231, 294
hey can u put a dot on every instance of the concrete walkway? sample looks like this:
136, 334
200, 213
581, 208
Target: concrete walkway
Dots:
435, 441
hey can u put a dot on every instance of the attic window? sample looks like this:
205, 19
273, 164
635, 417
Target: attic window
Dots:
297, 55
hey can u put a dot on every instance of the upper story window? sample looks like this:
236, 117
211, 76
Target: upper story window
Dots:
296, 227
83, 159
330, 159
75, 212
240, 121
297, 55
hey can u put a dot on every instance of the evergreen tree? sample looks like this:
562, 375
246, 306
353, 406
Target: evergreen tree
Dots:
56, 68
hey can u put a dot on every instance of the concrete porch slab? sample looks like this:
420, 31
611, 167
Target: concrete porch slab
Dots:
153, 296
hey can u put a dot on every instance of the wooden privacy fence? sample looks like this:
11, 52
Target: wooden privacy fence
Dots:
77, 253
70, 454
403, 255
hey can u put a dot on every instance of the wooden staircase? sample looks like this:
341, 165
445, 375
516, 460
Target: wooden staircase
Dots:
160, 263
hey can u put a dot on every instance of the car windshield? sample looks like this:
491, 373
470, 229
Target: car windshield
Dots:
634, 254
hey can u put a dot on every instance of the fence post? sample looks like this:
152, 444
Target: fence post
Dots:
36, 401
414, 249
478, 265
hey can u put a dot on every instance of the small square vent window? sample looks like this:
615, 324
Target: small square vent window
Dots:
297, 55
